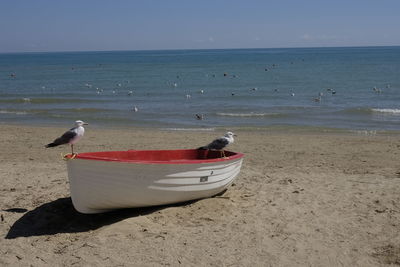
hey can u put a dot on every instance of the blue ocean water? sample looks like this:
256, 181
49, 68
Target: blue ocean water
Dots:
346, 88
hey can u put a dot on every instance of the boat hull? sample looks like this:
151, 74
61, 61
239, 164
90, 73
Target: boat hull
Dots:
98, 186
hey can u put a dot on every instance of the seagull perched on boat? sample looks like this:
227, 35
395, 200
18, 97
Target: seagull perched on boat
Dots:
71, 136
220, 143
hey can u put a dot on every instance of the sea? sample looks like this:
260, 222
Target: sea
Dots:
346, 88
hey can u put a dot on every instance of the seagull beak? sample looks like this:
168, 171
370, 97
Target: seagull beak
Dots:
235, 135
85, 123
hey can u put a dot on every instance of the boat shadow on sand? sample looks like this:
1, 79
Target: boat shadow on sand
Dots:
60, 216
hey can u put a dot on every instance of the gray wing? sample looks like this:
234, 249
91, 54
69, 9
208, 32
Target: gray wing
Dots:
218, 143
64, 139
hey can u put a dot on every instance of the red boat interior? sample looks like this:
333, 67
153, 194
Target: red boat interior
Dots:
161, 156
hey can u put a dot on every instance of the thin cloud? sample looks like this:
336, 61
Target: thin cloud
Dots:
306, 36
322, 37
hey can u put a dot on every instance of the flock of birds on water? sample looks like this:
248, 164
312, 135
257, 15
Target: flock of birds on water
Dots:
199, 116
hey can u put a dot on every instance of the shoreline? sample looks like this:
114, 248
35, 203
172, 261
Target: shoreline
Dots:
274, 129
300, 199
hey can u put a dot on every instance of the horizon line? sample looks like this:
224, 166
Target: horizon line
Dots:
193, 49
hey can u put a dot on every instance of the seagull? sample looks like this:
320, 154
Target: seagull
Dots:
220, 143
71, 136
199, 116
318, 99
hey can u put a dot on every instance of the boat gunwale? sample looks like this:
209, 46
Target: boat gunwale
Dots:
90, 156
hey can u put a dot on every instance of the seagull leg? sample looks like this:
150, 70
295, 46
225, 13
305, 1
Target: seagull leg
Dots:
72, 149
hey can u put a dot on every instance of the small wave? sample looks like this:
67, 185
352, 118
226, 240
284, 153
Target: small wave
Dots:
13, 112
189, 129
87, 110
382, 111
47, 100
251, 114
365, 132
357, 111
386, 110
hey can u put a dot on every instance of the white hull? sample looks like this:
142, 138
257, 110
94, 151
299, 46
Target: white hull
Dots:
98, 186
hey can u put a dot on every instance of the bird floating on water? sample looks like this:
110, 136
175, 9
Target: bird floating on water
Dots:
318, 99
71, 136
377, 90
200, 116
220, 143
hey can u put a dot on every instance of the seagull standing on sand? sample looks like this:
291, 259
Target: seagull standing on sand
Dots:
71, 136
220, 143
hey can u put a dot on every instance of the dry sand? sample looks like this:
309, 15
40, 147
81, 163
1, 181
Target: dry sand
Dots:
303, 199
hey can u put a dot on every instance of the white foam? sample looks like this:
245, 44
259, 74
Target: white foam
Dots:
386, 110
365, 132
13, 112
189, 129
251, 114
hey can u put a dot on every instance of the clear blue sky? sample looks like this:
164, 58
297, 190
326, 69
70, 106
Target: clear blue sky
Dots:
86, 25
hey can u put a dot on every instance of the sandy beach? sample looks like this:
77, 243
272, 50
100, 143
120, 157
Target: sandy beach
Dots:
301, 199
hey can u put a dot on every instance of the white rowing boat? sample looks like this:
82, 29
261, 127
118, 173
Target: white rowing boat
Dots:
104, 181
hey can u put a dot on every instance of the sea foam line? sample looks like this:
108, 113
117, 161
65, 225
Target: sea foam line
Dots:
251, 114
13, 112
189, 129
386, 110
